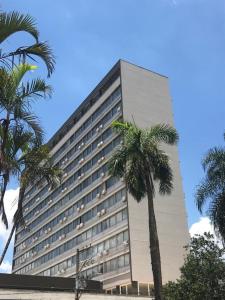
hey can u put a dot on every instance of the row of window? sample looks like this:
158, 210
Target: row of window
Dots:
74, 192
74, 242
109, 101
109, 116
108, 184
114, 264
89, 121
92, 213
77, 175
100, 249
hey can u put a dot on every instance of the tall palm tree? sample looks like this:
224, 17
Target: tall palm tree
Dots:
211, 191
16, 98
11, 23
33, 164
141, 162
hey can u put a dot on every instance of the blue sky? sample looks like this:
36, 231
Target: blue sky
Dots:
183, 39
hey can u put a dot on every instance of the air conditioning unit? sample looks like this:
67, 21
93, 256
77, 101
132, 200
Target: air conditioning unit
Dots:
66, 159
97, 129
49, 229
62, 237
103, 157
64, 219
38, 198
61, 221
26, 209
81, 161
79, 177
100, 144
124, 199
103, 211
65, 175
79, 147
49, 189
82, 206
81, 225
103, 192
102, 174
98, 195
36, 213
100, 126
47, 246
78, 226
99, 161
126, 243
82, 144
99, 214
64, 190
50, 202
78, 209
46, 231
118, 108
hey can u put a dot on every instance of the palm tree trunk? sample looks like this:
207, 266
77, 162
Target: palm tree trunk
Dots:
7, 243
154, 245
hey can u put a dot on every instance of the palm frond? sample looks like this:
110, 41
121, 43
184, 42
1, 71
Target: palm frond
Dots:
163, 173
19, 71
13, 22
32, 122
35, 88
163, 133
135, 179
216, 213
39, 50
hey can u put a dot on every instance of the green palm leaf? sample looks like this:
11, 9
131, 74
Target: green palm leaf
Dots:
13, 22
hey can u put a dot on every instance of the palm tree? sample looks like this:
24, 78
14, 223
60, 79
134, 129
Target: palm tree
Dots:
16, 98
211, 190
141, 162
11, 23
33, 164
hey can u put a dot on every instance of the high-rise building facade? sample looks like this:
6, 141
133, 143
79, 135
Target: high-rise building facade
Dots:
91, 210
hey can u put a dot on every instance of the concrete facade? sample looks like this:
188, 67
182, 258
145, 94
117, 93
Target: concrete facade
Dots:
92, 212
46, 295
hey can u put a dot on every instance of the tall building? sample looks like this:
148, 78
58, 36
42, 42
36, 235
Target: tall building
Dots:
91, 210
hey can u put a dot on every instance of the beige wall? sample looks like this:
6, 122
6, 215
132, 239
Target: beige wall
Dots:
146, 100
41, 295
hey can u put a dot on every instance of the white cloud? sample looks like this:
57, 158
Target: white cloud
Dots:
203, 225
10, 202
5, 267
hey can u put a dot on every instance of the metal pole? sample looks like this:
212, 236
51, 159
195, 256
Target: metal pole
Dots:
77, 274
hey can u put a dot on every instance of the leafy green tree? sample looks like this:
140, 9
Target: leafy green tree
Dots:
203, 272
22, 153
212, 188
14, 22
141, 162
16, 98
34, 163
